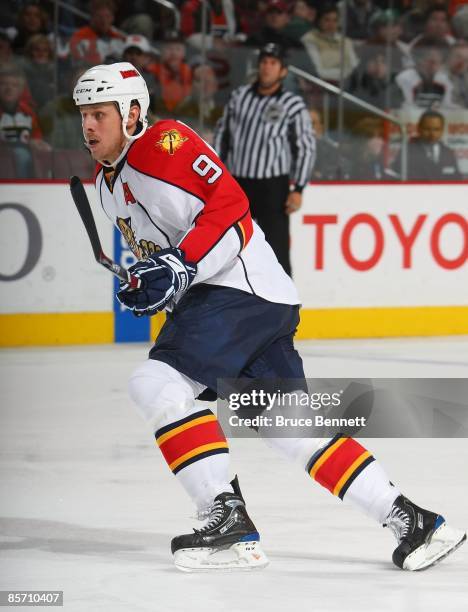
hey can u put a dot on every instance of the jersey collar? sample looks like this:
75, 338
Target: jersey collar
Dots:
277, 93
112, 171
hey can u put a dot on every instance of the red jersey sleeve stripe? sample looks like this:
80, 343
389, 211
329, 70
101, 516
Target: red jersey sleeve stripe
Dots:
247, 228
207, 233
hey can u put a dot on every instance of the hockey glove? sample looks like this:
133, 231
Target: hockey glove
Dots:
164, 276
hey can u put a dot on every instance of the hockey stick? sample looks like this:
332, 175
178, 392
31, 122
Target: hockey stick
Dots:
82, 204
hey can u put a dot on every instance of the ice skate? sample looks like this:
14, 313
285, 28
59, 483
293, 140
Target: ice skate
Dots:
424, 538
228, 541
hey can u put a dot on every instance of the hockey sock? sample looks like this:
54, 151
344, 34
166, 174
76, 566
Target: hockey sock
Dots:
350, 472
197, 452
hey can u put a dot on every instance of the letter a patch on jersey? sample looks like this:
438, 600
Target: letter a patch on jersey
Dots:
128, 195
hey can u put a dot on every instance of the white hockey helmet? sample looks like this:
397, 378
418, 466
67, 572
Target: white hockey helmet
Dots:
121, 83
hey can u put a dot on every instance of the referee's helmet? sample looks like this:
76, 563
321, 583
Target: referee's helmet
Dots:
273, 50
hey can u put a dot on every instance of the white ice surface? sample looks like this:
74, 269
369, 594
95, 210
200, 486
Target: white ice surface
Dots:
88, 506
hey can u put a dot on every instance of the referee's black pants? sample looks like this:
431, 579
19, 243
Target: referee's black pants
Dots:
267, 199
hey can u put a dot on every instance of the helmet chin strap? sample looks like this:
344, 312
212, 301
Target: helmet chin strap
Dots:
121, 156
130, 138
139, 130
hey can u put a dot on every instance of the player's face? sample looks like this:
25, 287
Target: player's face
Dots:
270, 72
102, 129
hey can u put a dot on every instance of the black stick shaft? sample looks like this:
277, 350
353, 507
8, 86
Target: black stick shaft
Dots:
82, 204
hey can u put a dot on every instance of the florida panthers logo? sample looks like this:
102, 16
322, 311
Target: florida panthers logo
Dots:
141, 249
171, 141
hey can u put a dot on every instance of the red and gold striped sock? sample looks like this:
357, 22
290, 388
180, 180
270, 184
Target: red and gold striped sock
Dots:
338, 464
191, 439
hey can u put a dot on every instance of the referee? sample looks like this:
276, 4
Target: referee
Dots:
265, 138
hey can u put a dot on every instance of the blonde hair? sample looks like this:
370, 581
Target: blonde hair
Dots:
36, 40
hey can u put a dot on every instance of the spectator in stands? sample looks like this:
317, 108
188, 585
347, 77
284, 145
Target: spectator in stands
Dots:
221, 22
329, 164
275, 30
427, 84
203, 95
303, 17
385, 30
371, 81
460, 23
414, 15
429, 159
6, 52
137, 51
174, 76
38, 67
458, 73
250, 15
436, 28
19, 126
324, 46
139, 17
97, 42
358, 16
276, 20
32, 19
368, 161
59, 121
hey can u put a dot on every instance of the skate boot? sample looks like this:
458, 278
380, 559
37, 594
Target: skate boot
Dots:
424, 538
228, 541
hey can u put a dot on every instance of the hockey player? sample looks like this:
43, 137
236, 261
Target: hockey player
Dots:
231, 311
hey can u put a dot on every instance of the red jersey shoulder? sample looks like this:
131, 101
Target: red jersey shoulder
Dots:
166, 140
167, 151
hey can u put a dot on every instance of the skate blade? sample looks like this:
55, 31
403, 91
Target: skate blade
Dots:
444, 541
242, 556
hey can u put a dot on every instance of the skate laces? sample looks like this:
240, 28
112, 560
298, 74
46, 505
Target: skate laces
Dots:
213, 515
399, 522
202, 515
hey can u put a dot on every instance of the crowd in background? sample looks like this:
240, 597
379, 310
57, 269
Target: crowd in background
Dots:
398, 56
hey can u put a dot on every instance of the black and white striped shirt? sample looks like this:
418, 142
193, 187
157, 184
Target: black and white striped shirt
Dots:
266, 136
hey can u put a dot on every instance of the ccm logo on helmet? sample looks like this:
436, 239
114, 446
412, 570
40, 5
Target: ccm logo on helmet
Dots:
80, 91
128, 73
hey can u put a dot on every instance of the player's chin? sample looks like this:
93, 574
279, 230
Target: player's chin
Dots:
96, 154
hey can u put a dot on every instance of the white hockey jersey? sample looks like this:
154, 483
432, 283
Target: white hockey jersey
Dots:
171, 190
